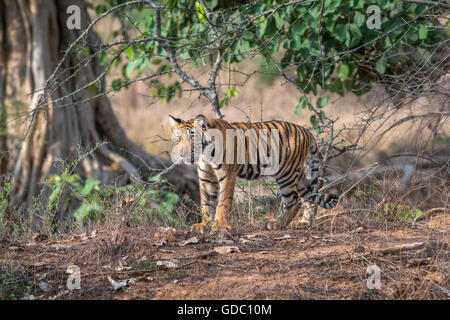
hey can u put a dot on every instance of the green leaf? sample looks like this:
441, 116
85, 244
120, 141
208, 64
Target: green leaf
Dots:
381, 65
423, 32
212, 3
116, 84
301, 105
340, 32
201, 14
92, 88
223, 102
314, 123
337, 87
130, 53
89, 185
100, 9
359, 19
323, 117
343, 71
231, 92
130, 68
271, 28
82, 213
322, 102
297, 29
356, 33
278, 20
261, 28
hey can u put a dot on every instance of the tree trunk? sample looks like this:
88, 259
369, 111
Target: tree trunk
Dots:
3, 114
36, 36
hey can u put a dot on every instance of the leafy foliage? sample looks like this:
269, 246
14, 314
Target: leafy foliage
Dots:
157, 200
328, 48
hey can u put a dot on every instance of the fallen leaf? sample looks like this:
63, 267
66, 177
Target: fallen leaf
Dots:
168, 251
159, 243
121, 268
357, 230
60, 246
226, 249
445, 290
285, 237
192, 240
120, 284
169, 264
59, 295
39, 264
44, 286
225, 241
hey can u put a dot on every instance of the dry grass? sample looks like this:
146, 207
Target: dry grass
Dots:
328, 261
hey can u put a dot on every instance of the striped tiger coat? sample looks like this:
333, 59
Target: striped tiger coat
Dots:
217, 176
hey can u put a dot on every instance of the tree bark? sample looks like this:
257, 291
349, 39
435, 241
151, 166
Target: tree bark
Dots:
69, 126
3, 113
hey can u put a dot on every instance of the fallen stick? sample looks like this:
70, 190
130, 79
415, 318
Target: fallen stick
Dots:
428, 213
431, 247
402, 247
203, 255
321, 217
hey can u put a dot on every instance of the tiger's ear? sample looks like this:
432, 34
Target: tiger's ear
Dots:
201, 121
174, 121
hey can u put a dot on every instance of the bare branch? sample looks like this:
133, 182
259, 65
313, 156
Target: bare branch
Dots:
429, 3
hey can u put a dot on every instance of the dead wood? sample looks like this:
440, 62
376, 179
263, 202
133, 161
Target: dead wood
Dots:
427, 245
430, 212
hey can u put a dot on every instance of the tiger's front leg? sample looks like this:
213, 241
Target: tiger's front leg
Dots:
227, 180
208, 197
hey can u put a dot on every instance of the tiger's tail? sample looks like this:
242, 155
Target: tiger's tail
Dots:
326, 201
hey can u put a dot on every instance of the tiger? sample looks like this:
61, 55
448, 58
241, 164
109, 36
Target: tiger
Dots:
217, 177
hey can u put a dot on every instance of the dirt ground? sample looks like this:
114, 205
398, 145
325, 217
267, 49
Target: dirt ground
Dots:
327, 261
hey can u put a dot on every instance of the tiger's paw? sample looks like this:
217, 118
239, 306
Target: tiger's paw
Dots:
199, 228
301, 223
275, 224
222, 229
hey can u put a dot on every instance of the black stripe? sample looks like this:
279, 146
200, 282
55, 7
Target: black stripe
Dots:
208, 181
289, 194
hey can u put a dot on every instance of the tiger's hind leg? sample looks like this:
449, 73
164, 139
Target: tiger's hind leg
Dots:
309, 207
289, 198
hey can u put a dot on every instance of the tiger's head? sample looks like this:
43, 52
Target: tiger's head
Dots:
189, 138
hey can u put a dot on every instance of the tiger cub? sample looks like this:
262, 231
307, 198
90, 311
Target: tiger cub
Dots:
224, 151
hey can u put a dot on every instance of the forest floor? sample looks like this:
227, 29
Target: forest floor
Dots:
327, 261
